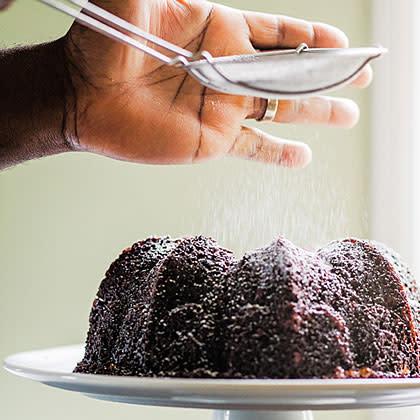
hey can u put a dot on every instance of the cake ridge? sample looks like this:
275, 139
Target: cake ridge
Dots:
188, 307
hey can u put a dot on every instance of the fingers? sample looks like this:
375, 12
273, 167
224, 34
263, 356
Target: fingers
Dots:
272, 31
319, 110
253, 144
364, 78
268, 31
316, 110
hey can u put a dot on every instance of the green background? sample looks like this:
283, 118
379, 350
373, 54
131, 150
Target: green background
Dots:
63, 219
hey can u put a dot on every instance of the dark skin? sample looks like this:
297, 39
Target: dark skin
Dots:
32, 122
85, 92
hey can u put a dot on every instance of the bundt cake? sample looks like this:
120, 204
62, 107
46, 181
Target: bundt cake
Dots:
189, 308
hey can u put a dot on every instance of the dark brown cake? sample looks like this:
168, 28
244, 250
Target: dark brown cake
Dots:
159, 297
188, 308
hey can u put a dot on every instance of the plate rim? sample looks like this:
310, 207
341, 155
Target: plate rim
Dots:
34, 373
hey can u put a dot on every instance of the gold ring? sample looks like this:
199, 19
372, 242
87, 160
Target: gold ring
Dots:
270, 110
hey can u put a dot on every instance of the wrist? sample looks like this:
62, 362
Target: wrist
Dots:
36, 107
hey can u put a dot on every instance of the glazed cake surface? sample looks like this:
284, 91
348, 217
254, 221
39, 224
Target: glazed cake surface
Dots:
188, 308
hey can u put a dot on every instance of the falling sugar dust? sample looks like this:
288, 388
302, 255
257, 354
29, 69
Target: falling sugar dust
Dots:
257, 202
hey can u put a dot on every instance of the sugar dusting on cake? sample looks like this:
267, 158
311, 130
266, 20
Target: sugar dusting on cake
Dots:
189, 308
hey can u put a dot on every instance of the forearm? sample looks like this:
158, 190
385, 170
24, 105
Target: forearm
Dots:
35, 114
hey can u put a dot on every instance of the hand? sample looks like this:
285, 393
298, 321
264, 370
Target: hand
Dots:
131, 107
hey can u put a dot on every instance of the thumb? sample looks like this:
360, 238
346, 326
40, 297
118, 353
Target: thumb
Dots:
254, 144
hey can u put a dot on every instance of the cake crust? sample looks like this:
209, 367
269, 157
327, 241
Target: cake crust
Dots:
188, 308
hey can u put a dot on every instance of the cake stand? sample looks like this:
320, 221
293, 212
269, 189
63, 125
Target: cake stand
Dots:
231, 399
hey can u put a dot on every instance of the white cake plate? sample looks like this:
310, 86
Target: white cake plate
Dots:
232, 399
